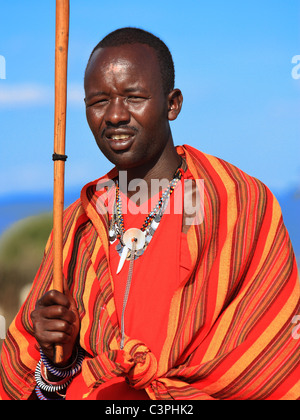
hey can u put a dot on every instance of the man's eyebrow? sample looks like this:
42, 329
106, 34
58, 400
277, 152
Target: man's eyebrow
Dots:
135, 89
99, 93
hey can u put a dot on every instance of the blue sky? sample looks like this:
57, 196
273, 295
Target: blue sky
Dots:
233, 63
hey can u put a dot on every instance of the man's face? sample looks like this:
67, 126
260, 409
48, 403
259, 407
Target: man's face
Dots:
126, 107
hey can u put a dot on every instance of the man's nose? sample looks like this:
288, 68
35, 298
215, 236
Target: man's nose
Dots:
117, 113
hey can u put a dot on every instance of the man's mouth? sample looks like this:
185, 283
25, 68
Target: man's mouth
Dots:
119, 137
120, 141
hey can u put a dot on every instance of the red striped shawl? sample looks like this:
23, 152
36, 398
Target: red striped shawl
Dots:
230, 332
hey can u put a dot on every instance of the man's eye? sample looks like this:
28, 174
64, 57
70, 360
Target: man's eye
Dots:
96, 102
102, 101
136, 99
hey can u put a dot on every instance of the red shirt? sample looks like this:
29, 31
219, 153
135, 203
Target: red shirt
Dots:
156, 275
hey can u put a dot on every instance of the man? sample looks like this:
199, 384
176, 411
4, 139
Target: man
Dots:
158, 307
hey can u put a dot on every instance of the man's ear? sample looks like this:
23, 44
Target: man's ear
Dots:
175, 100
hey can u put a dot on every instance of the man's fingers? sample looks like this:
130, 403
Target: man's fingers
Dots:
49, 332
53, 297
56, 312
56, 322
58, 325
53, 338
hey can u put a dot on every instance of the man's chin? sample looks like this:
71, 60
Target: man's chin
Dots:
123, 160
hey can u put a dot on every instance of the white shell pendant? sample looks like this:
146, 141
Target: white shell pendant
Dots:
137, 234
128, 238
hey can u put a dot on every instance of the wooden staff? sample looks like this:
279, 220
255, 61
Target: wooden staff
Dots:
61, 64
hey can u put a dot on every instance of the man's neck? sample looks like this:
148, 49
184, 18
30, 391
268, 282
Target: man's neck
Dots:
163, 169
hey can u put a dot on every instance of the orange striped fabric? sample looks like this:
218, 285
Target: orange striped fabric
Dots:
230, 329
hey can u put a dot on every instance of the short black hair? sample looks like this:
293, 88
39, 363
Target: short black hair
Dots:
131, 35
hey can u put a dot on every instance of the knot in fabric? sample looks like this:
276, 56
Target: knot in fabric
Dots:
144, 364
140, 357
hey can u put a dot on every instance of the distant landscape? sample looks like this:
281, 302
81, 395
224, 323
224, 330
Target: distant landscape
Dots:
16, 207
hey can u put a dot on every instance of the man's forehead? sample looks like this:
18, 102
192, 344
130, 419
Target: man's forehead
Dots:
115, 67
116, 57
129, 63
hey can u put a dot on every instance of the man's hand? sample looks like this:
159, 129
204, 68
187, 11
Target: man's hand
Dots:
56, 321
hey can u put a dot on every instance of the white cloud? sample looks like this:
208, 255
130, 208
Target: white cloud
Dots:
24, 94
16, 95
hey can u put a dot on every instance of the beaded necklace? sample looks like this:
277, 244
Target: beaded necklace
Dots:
133, 242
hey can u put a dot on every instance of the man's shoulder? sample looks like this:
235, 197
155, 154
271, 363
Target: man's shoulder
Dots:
223, 179
218, 168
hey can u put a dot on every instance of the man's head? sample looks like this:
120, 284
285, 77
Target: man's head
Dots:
128, 103
139, 36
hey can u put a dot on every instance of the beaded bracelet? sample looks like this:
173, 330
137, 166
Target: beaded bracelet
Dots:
66, 372
49, 387
66, 375
42, 397
44, 376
